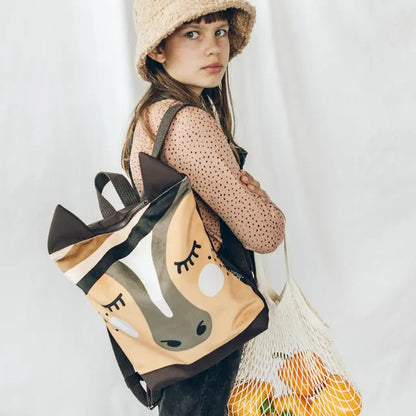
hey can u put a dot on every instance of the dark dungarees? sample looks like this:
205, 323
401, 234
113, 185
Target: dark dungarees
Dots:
207, 393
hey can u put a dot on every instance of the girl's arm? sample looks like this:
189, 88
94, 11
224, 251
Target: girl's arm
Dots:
196, 146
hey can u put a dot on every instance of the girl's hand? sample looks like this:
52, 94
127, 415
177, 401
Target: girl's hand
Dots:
253, 185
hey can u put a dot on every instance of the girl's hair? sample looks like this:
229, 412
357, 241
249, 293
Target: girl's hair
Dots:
216, 101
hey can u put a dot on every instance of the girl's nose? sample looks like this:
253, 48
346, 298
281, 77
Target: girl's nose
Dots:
213, 45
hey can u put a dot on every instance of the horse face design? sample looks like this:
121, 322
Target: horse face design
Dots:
151, 291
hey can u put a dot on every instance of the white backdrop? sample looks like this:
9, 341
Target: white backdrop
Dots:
325, 100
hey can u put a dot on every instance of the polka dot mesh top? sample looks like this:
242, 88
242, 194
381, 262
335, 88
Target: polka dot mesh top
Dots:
196, 146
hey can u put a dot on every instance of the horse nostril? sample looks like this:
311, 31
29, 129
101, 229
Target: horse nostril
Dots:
201, 328
172, 343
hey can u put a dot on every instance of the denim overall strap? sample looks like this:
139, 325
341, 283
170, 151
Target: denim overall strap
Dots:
232, 253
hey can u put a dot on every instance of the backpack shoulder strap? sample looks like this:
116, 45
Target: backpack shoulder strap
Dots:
235, 256
162, 131
164, 127
132, 378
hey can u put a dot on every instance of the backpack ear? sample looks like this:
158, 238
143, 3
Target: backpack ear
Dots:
66, 229
157, 176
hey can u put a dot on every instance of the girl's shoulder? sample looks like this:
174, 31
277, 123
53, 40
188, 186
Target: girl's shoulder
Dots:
166, 102
156, 110
160, 107
188, 116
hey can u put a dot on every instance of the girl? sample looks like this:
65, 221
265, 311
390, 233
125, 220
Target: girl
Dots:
183, 50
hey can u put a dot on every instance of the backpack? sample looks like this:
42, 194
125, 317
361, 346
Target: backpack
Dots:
172, 306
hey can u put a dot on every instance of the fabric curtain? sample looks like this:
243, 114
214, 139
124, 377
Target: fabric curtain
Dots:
324, 98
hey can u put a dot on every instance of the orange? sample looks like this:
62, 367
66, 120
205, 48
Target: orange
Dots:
291, 404
303, 372
337, 398
246, 399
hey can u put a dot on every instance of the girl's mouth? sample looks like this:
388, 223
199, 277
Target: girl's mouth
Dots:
213, 69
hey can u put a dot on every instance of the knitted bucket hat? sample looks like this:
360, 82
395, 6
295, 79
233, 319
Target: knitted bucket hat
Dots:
154, 20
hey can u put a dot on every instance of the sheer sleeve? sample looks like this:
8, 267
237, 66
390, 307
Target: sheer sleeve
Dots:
196, 146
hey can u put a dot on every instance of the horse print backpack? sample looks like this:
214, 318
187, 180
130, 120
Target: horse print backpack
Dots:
171, 305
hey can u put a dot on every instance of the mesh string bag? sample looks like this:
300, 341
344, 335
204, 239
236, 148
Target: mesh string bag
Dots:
292, 368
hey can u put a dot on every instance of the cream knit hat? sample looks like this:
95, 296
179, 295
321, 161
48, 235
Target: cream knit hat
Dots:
154, 20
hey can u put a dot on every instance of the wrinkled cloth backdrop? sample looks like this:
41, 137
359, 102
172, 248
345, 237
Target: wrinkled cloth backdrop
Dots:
325, 100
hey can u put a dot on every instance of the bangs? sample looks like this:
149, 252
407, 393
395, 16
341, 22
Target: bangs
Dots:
213, 17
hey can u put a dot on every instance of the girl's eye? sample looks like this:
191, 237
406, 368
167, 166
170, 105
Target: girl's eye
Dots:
192, 31
184, 263
226, 31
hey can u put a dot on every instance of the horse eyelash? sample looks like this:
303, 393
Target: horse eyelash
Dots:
115, 303
184, 263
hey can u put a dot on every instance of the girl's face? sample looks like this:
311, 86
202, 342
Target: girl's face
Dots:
192, 47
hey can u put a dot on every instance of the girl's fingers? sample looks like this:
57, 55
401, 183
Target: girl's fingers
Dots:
249, 179
255, 189
266, 197
258, 191
253, 185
